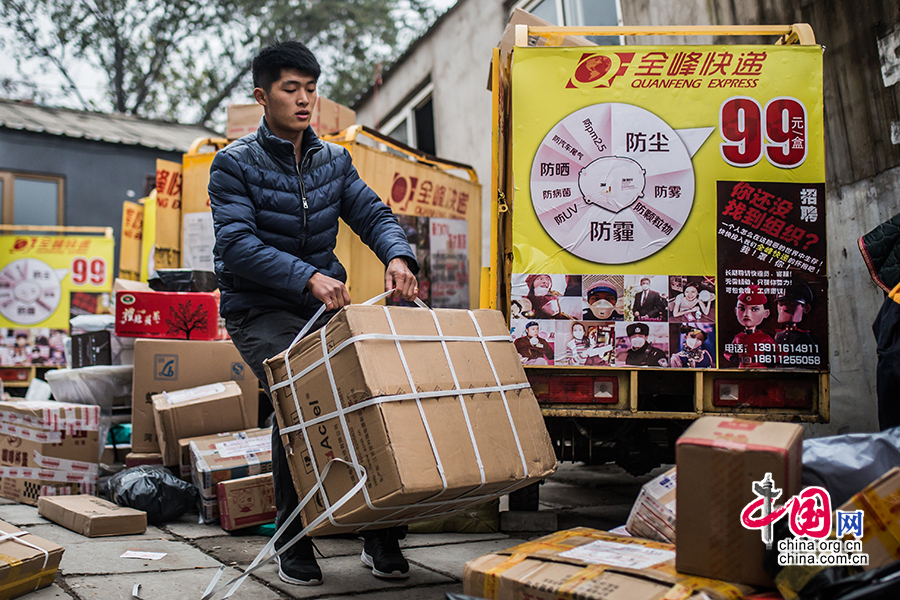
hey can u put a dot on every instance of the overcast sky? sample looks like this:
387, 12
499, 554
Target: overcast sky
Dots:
90, 81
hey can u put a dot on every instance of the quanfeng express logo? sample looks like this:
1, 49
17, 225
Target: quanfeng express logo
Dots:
810, 521
599, 69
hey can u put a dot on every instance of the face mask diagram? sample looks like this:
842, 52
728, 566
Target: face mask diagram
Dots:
613, 183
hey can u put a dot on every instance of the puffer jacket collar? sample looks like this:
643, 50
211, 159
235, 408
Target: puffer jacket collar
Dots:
282, 150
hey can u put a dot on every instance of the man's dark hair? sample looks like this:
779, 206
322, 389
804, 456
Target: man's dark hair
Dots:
267, 65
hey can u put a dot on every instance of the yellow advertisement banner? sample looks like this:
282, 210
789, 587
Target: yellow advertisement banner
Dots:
669, 203
38, 274
616, 152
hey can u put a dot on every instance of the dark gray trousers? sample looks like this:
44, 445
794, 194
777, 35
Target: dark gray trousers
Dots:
259, 335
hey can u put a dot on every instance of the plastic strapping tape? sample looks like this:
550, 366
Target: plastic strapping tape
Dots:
16, 537
502, 393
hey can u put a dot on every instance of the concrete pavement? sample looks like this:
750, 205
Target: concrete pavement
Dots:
92, 568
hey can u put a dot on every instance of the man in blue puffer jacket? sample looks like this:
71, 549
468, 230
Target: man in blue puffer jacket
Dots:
276, 196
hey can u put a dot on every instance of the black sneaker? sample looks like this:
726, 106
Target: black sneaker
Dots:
381, 552
298, 565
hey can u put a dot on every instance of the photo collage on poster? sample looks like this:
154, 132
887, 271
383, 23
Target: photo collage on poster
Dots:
441, 248
771, 248
614, 320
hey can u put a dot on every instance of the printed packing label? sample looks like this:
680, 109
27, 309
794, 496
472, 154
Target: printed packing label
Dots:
669, 208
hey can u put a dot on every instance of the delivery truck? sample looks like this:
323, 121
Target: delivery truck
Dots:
658, 233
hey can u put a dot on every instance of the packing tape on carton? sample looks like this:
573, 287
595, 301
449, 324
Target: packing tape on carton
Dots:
884, 524
53, 419
16, 537
492, 575
47, 475
341, 412
62, 464
32, 435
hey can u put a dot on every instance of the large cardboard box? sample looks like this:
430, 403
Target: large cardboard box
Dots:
194, 412
171, 365
880, 503
27, 562
136, 459
653, 515
47, 448
588, 564
171, 315
718, 460
91, 516
246, 502
452, 447
327, 117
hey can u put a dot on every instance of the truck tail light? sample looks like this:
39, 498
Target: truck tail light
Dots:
575, 388
764, 393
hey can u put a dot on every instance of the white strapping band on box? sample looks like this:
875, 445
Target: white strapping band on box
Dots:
341, 413
16, 537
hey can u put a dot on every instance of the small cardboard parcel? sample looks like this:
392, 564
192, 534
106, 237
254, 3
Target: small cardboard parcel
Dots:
91, 516
431, 407
27, 562
718, 461
586, 564
198, 411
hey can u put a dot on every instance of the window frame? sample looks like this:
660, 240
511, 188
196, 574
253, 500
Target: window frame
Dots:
407, 113
7, 214
527, 5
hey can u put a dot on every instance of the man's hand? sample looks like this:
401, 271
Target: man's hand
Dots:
330, 292
398, 277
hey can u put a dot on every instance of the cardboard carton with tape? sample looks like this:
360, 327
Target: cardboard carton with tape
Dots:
406, 413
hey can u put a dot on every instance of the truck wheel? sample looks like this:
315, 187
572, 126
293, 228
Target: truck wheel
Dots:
526, 499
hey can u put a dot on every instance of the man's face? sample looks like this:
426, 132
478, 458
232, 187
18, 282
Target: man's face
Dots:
790, 311
750, 315
602, 304
532, 331
289, 103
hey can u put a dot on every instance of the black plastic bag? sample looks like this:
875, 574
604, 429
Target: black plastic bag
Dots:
154, 490
183, 280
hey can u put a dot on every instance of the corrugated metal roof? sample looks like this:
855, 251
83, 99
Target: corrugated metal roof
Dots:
101, 127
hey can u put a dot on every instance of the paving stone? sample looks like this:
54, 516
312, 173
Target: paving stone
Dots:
21, 514
450, 559
429, 592
105, 557
190, 528
416, 540
346, 575
52, 592
522, 520
64, 537
233, 550
164, 586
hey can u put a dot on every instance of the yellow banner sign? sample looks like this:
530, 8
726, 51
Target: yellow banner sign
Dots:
38, 274
663, 191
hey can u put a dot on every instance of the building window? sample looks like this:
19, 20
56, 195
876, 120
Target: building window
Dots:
413, 123
579, 13
29, 199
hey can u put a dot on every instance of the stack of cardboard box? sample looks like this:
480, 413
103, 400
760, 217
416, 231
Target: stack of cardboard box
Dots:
47, 449
173, 365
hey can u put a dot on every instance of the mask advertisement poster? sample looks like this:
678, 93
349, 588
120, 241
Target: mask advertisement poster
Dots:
655, 188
